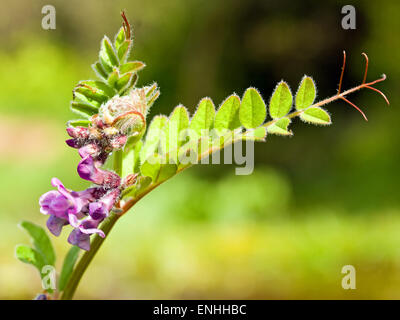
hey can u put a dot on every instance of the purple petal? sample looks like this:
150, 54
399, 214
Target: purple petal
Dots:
88, 171
73, 143
73, 220
78, 132
98, 210
89, 226
118, 142
55, 225
45, 201
110, 198
76, 202
54, 203
77, 238
89, 150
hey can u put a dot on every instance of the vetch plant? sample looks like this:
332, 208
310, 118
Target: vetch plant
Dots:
125, 158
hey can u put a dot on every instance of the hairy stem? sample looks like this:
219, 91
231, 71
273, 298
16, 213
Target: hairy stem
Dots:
118, 161
88, 257
333, 98
96, 243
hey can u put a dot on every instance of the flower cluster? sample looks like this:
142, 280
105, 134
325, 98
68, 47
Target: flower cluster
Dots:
120, 119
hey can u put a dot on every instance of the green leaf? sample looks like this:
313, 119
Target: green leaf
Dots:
150, 168
281, 101
68, 266
133, 66
123, 81
166, 172
316, 115
175, 130
306, 93
99, 70
99, 86
252, 110
153, 137
107, 56
152, 99
123, 50
84, 109
92, 94
142, 185
152, 93
113, 78
203, 119
79, 123
227, 116
280, 127
30, 256
131, 159
136, 160
257, 134
119, 38
157, 171
132, 82
41, 241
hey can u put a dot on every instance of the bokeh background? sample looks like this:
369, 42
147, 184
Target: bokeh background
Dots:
323, 199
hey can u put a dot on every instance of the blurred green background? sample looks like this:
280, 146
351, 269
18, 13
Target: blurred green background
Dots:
323, 199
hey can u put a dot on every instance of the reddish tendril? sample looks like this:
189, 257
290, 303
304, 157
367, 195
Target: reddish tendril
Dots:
366, 67
368, 85
341, 74
126, 26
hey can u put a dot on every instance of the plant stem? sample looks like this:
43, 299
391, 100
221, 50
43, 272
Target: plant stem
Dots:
118, 161
95, 245
88, 256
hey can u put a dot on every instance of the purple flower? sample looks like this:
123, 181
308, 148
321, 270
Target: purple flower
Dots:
83, 210
78, 132
87, 170
61, 202
80, 236
101, 208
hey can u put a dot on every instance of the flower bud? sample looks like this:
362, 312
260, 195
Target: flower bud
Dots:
78, 132
127, 113
118, 142
129, 180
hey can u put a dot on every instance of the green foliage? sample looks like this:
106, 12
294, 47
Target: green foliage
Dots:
157, 171
31, 256
116, 75
252, 110
68, 266
306, 93
42, 254
41, 242
281, 101
159, 155
203, 119
316, 115
174, 131
280, 127
153, 137
227, 117
168, 139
